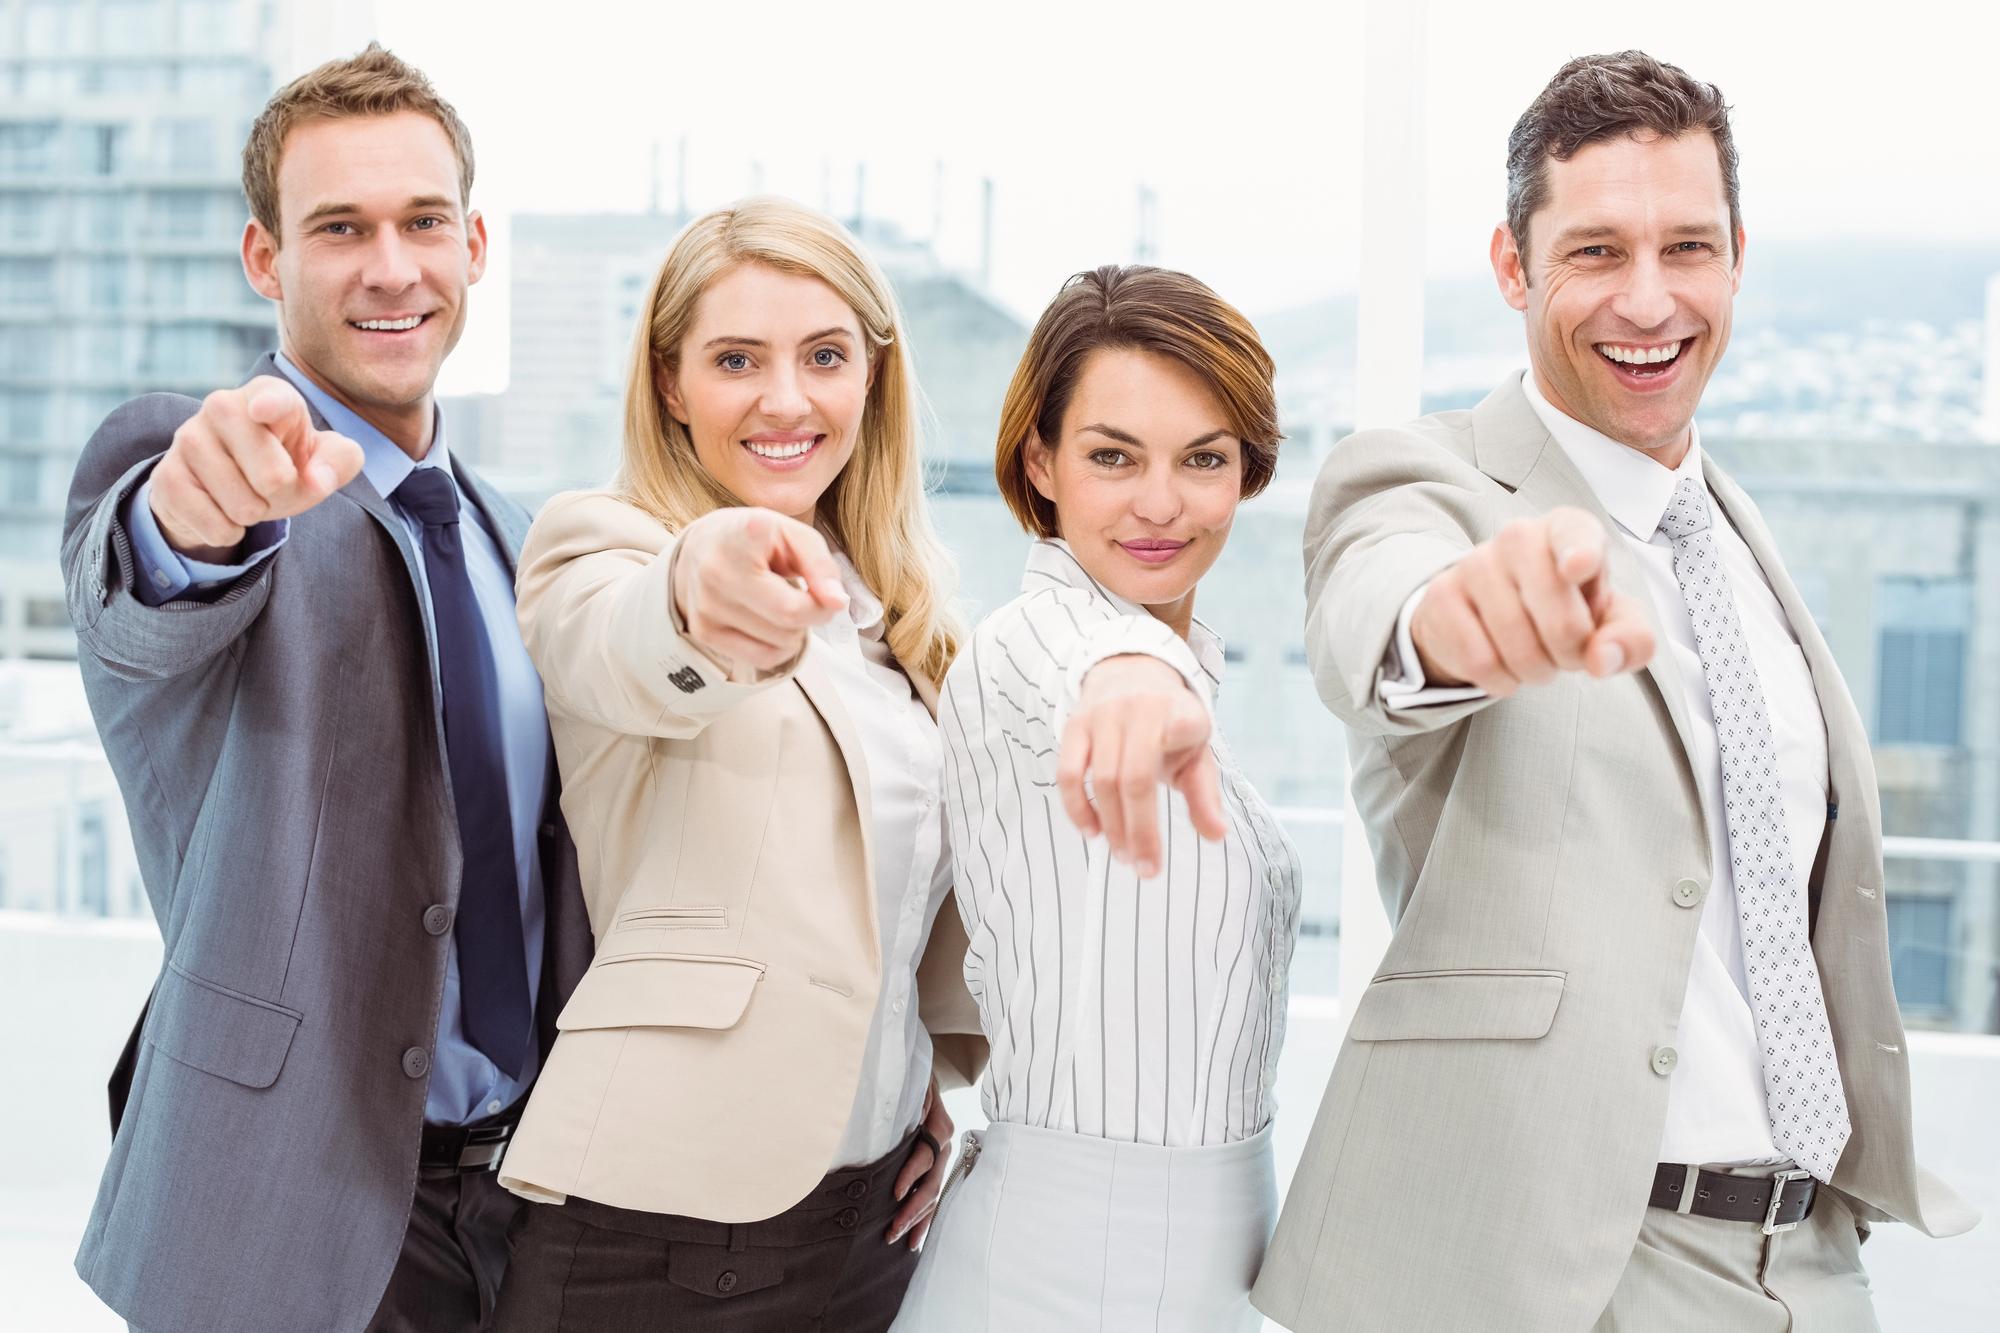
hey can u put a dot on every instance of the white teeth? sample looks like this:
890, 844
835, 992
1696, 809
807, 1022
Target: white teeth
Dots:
780, 450
389, 325
1640, 356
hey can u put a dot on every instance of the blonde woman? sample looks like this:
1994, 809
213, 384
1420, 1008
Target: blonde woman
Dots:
739, 1126
1132, 903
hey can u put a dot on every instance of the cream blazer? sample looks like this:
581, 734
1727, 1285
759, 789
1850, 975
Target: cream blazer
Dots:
707, 1064
1495, 1109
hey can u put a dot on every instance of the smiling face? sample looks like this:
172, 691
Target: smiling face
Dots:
1145, 478
772, 384
1628, 286
378, 254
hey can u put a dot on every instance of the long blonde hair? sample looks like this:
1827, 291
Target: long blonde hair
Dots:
874, 510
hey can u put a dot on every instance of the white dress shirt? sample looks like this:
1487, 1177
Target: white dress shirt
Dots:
1144, 1012
912, 862
1716, 1111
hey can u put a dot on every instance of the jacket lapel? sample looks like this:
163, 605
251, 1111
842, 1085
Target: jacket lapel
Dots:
508, 522
1512, 446
819, 690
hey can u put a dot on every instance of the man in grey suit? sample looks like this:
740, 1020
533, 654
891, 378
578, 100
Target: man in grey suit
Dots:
1633, 1059
295, 612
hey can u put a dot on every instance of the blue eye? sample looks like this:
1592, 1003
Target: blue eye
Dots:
733, 361
828, 356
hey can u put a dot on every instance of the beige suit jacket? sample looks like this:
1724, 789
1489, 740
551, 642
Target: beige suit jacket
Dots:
1485, 1147
708, 1061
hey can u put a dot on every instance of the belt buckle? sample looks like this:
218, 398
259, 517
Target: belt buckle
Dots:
1779, 1180
483, 1149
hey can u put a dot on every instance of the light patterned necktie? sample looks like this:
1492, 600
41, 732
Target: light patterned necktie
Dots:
1802, 1091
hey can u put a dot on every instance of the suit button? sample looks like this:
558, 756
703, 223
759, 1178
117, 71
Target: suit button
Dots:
1664, 1060
849, 1218
437, 918
727, 1282
857, 1189
1687, 892
416, 1062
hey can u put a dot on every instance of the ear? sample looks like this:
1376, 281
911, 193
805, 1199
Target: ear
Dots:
1510, 269
260, 261
1035, 458
1736, 275
874, 359
475, 241
669, 388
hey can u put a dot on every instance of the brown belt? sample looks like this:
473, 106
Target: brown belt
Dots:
1780, 1201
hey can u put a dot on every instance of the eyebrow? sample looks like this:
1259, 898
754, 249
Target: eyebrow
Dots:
734, 340
1585, 235
338, 210
1125, 437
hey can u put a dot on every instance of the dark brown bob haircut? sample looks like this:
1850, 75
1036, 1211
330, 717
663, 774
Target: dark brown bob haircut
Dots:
374, 83
1594, 99
1150, 310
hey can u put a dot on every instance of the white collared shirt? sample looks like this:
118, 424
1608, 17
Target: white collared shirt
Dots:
912, 863
1144, 1012
1716, 1110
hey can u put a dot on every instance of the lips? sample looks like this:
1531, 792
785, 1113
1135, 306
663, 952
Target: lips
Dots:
1152, 550
783, 450
1644, 365
396, 324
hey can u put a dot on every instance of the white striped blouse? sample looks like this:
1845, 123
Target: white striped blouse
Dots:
1146, 1012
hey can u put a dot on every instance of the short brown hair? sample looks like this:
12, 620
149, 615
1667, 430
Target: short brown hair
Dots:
374, 83
1594, 99
1152, 310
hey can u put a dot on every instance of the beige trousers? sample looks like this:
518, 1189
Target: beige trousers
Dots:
1699, 1275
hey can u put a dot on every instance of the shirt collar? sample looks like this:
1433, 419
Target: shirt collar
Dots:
382, 461
1633, 489
1051, 560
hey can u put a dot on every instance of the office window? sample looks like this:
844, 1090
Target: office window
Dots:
1920, 952
101, 149
179, 214
182, 351
1920, 671
24, 215
27, 282
245, 345
102, 218
97, 352
130, 27
169, 283
207, 25
187, 147
44, 613
25, 147
24, 351
24, 480
52, 27
24, 416
104, 282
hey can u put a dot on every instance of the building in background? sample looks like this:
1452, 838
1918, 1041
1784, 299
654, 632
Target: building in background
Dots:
121, 215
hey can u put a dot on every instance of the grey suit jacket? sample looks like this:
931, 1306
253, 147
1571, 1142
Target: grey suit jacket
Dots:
280, 747
1485, 1147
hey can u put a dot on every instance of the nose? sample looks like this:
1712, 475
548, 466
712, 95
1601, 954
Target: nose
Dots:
390, 267
784, 397
1645, 301
1156, 499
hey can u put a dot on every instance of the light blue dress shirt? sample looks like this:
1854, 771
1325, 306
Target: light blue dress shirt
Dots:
465, 1085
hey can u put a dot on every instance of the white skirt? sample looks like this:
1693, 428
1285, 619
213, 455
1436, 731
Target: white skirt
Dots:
1050, 1230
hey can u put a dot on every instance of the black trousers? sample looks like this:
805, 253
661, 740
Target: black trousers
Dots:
447, 1278
821, 1266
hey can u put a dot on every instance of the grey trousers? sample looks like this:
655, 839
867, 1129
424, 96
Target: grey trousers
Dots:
1699, 1275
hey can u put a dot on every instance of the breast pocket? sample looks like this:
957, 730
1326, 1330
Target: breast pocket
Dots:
1469, 1004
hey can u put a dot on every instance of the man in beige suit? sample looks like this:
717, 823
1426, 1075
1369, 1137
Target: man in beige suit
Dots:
1633, 1060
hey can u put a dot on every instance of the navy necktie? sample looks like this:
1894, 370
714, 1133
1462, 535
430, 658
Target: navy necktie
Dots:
492, 957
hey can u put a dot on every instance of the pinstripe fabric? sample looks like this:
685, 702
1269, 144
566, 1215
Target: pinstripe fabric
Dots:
1142, 1012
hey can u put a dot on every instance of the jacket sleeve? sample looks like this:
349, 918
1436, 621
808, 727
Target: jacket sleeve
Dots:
1391, 510
132, 640
594, 597
945, 1003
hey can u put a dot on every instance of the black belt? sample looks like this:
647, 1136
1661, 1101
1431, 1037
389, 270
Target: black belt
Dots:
1780, 1201
463, 1150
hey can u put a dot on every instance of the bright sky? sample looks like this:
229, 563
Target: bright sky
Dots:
1853, 119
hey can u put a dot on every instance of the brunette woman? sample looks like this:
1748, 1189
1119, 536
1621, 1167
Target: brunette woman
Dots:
739, 1126
1132, 903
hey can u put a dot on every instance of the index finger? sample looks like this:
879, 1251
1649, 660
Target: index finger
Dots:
800, 552
1577, 541
278, 406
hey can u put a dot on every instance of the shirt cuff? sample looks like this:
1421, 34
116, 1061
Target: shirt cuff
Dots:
1128, 636
165, 574
1401, 683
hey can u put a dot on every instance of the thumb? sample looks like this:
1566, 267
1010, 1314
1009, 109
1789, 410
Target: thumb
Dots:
329, 461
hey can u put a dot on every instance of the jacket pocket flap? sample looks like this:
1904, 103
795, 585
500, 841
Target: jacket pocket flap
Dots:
662, 990
220, 1031
1458, 1006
